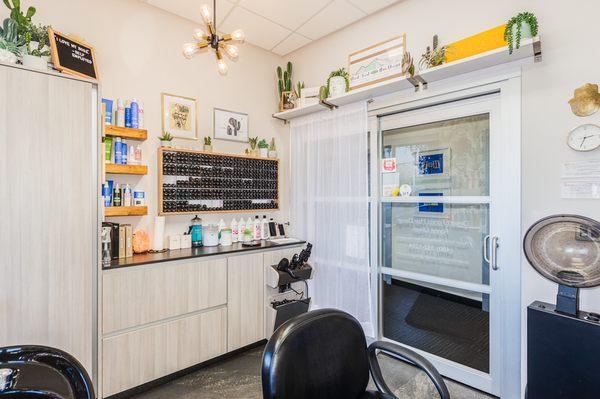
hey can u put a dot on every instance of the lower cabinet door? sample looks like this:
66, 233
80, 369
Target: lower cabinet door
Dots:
134, 358
245, 300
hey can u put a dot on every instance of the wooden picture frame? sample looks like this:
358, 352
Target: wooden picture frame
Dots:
54, 53
179, 125
377, 63
288, 101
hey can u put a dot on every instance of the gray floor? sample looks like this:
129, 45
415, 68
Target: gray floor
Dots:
239, 378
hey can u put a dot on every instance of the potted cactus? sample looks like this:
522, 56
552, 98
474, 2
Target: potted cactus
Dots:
253, 141
207, 144
284, 82
263, 148
165, 139
10, 42
272, 149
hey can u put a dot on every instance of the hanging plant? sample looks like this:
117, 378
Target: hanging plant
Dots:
517, 23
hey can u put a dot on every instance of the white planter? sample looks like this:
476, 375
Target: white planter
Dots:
272, 154
337, 86
31, 61
264, 152
165, 143
7, 56
525, 31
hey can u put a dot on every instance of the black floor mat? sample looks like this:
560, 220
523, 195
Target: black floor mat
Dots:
439, 324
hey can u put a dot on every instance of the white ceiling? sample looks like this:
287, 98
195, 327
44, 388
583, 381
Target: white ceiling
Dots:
280, 26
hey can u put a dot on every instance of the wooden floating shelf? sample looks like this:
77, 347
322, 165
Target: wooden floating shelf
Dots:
529, 49
126, 169
125, 210
126, 132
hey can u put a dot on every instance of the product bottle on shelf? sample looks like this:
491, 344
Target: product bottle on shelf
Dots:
118, 150
127, 196
134, 114
221, 225
264, 228
234, 230
132, 160
120, 113
138, 155
140, 116
257, 228
249, 230
117, 195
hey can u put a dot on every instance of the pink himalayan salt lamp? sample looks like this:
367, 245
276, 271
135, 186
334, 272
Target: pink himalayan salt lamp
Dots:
141, 242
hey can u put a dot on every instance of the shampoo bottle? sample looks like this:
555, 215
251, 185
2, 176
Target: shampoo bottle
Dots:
257, 228
134, 114
132, 159
120, 113
117, 195
138, 155
118, 150
234, 230
264, 228
140, 117
249, 232
222, 225
127, 196
241, 230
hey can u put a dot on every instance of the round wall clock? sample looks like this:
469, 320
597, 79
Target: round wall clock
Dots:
584, 138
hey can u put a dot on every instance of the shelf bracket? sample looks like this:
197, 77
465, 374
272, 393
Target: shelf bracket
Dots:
285, 121
327, 104
537, 51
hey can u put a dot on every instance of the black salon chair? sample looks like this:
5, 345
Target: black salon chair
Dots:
323, 354
40, 372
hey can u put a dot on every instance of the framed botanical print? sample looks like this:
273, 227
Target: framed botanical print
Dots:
230, 125
377, 63
180, 116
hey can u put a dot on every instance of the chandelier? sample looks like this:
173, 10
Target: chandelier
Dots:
210, 38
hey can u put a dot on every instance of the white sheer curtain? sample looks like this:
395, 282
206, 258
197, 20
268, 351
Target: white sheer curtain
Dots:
329, 206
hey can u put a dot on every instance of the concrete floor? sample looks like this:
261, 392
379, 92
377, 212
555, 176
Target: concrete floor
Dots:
239, 378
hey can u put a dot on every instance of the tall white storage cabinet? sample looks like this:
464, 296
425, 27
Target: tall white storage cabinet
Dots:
49, 191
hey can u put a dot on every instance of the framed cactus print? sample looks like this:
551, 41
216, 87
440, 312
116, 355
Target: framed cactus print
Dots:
179, 116
230, 125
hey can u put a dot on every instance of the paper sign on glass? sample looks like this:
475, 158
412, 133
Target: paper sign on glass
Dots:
389, 165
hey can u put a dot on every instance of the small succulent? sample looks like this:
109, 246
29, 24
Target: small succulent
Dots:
298, 89
433, 56
340, 72
263, 144
272, 145
253, 141
524, 17
39, 34
207, 140
9, 37
166, 137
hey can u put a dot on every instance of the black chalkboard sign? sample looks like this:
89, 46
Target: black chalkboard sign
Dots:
72, 56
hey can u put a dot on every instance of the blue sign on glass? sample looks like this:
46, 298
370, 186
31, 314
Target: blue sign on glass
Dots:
436, 207
431, 164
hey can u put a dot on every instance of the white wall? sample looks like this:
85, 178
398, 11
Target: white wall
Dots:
570, 58
138, 50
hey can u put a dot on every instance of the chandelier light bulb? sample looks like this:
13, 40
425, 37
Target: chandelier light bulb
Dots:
189, 49
232, 51
222, 66
238, 35
205, 11
199, 35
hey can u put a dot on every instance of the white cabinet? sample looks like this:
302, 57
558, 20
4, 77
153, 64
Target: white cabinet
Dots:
140, 295
143, 355
245, 300
49, 189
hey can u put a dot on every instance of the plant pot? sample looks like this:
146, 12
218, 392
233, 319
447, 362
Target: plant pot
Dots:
207, 148
272, 154
33, 62
525, 32
7, 56
165, 143
253, 153
264, 152
337, 86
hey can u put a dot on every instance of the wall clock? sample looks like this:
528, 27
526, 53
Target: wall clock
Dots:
584, 138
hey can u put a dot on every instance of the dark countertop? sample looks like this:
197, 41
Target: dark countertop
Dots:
189, 253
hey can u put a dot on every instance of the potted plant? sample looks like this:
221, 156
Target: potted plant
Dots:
23, 20
522, 26
263, 148
338, 82
37, 52
165, 139
284, 82
207, 144
272, 149
253, 141
9, 42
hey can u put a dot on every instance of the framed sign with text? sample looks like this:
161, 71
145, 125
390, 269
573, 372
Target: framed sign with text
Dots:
72, 56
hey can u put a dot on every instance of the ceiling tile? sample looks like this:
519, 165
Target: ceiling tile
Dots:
371, 6
290, 14
259, 31
335, 16
291, 43
190, 9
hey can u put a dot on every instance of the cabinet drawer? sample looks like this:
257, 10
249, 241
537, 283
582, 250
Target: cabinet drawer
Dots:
140, 356
139, 296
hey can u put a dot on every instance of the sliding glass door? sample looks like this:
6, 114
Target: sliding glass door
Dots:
440, 282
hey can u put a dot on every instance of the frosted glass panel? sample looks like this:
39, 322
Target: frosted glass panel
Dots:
442, 240
443, 158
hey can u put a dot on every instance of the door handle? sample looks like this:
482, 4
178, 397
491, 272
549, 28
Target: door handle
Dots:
494, 253
486, 240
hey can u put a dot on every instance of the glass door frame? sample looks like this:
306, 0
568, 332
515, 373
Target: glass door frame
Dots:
501, 380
